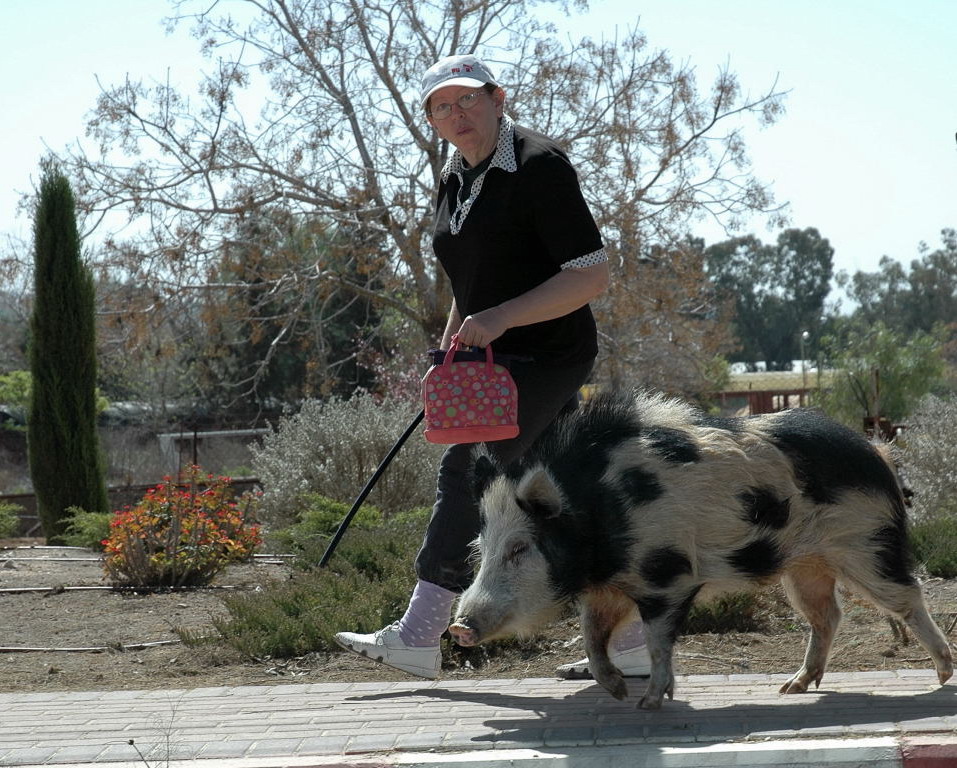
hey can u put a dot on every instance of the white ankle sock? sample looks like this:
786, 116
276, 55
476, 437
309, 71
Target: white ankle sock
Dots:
427, 616
630, 637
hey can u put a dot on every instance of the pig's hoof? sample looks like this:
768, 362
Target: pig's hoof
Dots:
616, 686
797, 684
802, 680
650, 702
945, 666
793, 686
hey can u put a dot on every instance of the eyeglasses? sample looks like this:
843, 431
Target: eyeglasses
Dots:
465, 101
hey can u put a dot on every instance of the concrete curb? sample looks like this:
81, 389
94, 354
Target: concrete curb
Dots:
880, 752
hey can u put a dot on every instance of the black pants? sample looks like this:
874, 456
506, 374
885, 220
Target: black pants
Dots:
543, 393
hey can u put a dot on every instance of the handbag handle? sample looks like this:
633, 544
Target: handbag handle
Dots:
454, 346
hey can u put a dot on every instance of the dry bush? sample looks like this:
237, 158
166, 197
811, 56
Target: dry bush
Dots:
332, 448
929, 458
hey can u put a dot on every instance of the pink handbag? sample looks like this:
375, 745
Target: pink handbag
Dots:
469, 402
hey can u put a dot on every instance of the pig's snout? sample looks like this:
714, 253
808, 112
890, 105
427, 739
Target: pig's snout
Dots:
464, 635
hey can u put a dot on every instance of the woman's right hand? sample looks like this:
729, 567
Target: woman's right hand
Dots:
482, 328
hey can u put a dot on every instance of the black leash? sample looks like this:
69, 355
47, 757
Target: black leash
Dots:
368, 487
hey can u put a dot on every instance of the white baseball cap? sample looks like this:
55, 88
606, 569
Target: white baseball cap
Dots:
464, 69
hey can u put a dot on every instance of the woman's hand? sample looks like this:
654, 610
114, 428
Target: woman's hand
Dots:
482, 328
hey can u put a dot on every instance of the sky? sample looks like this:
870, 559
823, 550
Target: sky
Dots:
865, 151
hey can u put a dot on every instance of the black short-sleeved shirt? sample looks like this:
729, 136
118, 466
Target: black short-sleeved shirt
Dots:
523, 220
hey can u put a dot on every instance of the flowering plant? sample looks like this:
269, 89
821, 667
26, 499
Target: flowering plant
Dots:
180, 533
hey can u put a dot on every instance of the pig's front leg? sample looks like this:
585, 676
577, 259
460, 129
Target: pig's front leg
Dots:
601, 612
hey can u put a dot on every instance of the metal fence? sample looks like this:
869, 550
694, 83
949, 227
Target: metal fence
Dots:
119, 496
136, 458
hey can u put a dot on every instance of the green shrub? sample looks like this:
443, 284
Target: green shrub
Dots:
934, 543
87, 529
311, 548
9, 519
735, 612
318, 522
365, 587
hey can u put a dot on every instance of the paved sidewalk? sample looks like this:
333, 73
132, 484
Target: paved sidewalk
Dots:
871, 718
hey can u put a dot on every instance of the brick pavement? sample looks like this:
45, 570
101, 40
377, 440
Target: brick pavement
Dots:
721, 718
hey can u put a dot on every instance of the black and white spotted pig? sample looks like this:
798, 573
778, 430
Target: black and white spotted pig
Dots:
641, 500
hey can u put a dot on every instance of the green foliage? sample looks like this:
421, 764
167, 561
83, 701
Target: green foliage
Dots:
879, 371
16, 389
65, 462
934, 543
715, 377
319, 521
332, 447
778, 291
366, 586
313, 548
909, 299
15, 392
9, 519
735, 612
87, 529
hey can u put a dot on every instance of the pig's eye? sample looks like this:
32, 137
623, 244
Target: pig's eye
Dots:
517, 551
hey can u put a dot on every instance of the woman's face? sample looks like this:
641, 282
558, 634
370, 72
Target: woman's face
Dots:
474, 132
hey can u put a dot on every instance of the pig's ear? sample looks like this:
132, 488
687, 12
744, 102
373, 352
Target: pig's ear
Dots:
537, 494
484, 471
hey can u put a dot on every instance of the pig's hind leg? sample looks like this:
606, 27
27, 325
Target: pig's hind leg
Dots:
811, 588
601, 612
900, 595
664, 616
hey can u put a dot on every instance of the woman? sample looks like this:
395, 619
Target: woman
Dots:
524, 257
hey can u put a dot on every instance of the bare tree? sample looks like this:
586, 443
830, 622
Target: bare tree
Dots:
338, 137
664, 325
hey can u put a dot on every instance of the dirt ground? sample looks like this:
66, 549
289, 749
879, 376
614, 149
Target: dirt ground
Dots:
136, 645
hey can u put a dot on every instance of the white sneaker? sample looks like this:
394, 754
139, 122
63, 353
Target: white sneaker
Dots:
386, 647
635, 662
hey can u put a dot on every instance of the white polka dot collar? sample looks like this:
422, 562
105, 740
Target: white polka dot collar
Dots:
503, 158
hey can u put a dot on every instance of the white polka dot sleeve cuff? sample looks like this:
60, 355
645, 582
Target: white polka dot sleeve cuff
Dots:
588, 260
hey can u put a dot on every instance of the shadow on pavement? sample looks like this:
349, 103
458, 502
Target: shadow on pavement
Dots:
590, 715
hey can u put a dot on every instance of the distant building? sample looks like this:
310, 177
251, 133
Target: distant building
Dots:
747, 394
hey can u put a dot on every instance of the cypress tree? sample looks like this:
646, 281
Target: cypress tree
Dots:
65, 462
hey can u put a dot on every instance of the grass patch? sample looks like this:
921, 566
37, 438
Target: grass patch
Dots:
9, 519
934, 543
366, 586
316, 525
735, 612
87, 529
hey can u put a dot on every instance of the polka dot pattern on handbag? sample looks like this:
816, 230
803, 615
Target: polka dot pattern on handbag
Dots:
469, 402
